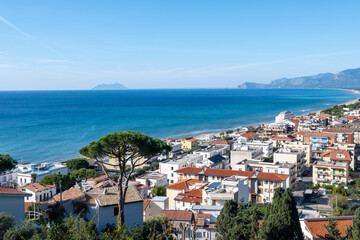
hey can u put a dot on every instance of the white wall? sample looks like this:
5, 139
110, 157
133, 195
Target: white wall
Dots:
14, 206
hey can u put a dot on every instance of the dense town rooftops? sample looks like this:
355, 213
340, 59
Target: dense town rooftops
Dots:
248, 135
178, 215
272, 176
316, 226
332, 130
227, 173
316, 134
70, 194
110, 196
222, 142
277, 137
189, 170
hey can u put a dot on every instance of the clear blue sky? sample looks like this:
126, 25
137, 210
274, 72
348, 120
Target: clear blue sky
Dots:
173, 44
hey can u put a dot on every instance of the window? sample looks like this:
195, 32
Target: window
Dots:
282, 172
116, 211
267, 198
266, 182
333, 171
271, 182
276, 171
172, 174
339, 170
172, 168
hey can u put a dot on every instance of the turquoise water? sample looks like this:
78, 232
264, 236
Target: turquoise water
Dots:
40, 126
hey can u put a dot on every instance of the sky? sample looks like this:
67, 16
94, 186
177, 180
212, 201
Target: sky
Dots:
69, 45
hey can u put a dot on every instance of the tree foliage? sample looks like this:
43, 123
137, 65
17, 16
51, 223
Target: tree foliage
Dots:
83, 173
6, 222
128, 148
66, 181
332, 229
353, 232
159, 191
25, 230
77, 163
6, 163
281, 220
237, 221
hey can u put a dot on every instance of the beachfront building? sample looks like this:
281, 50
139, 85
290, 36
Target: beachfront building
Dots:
282, 128
187, 143
34, 172
9, 178
223, 143
170, 166
284, 116
12, 202
330, 173
39, 192
181, 186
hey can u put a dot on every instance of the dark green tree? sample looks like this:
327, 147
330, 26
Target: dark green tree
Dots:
238, 221
353, 232
6, 163
128, 148
6, 222
83, 173
66, 181
281, 220
159, 191
77, 163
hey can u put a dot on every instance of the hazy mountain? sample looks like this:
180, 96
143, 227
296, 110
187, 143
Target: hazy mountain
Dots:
345, 79
114, 86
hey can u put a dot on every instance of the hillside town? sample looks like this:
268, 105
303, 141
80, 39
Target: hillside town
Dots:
316, 156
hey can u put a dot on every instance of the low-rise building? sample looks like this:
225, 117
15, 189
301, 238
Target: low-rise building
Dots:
153, 179
339, 155
182, 221
187, 143
39, 192
12, 202
284, 116
265, 146
34, 172
330, 173
205, 221
248, 137
244, 152
9, 178
155, 205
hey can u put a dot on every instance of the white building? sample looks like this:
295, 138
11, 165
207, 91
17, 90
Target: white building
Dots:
12, 202
8, 178
153, 179
168, 167
39, 192
206, 218
39, 170
155, 206
284, 116
291, 155
266, 147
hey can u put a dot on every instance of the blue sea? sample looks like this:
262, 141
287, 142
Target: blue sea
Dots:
39, 126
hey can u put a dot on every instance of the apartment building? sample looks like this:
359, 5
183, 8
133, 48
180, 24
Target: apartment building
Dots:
262, 190
170, 166
187, 143
265, 146
318, 141
38, 171
248, 137
339, 155
244, 152
39, 192
330, 173
284, 116
291, 155
302, 147
278, 140
152, 179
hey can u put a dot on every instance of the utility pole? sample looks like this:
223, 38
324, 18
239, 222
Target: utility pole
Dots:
60, 193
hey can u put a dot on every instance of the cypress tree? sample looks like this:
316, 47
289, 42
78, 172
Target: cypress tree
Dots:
333, 232
281, 221
225, 221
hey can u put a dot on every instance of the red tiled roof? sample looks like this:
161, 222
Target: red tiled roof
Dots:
178, 215
351, 117
5, 190
188, 199
324, 115
338, 130
227, 173
192, 170
222, 142
276, 137
272, 176
322, 134
317, 228
249, 135
294, 120
184, 184
98, 178
333, 154
203, 215
200, 222
37, 187
146, 203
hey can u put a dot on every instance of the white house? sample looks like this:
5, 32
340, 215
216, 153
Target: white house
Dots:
12, 202
155, 206
152, 179
39, 192
283, 116
8, 178
39, 170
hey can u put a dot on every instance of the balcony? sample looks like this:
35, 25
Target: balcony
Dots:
321, 179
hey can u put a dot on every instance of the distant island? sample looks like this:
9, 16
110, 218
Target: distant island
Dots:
113, 86
349, 78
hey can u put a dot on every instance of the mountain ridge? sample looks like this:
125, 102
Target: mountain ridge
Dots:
348, 78
111, 86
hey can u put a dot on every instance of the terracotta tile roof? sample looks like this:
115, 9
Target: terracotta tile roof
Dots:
294, 120
178, 215
227, 173
27, 204
193, 193
200, 222
106, 183
192, 170
248, 135
317, 228
324, 115
185, 184
203, 215
109, 196
351, 117
276, 137
188, 199
338, 130
222, 142
36, 187
326, 154
322, 134
272, 176
70, 194
98, 178
334, 155
192, 140
5, 190
194, 196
